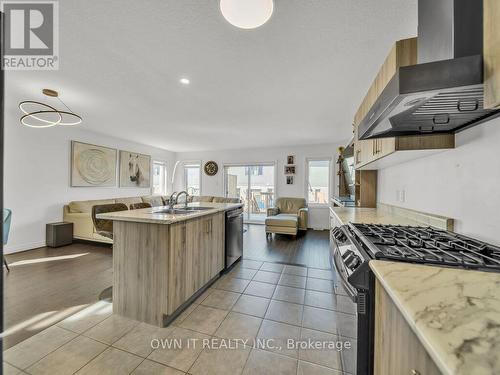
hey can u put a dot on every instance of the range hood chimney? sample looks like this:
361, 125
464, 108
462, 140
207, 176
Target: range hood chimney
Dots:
444, 92
449, 29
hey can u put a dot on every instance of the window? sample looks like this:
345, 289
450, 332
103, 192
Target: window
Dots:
159, 178
192, 174
318, 181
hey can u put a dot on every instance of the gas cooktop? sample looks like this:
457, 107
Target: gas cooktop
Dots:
427, 245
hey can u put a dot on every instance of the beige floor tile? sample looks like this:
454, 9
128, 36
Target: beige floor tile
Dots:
69, 358
239, 326
185, 346
267, 277
184, 315
320, 274
38, 346
256, 288
285, 312
111, 329
264, 363
306, 368
292, 280
321, 299
10, 370
138, 340
272, 267
231, 284
320, 319
253, 264
152, 368
251, 305
221, 361
295, 270
88, 317
204, 319
280, 333
243, 273
289, 294
324, 355
203, 296
111, 362
221, 299
320, 285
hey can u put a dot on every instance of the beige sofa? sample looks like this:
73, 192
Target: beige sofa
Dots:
288, 217
80, 212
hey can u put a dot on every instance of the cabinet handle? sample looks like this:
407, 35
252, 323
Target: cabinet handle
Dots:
414, 372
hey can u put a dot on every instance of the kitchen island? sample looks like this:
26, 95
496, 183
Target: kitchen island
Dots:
433, 320
163, 260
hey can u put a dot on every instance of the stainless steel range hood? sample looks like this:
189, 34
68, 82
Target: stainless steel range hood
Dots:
443, 93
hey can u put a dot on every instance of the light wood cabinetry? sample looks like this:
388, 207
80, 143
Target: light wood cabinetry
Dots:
365, 188
491, 54
158, 267
398, 351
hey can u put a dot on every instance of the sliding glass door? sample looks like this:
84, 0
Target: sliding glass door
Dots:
254, 184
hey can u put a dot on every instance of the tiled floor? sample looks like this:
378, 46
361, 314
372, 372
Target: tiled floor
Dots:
243, 324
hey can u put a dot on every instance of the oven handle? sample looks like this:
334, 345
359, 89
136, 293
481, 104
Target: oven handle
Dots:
349, 289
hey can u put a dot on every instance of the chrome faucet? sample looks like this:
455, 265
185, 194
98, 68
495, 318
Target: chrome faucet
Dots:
177, 198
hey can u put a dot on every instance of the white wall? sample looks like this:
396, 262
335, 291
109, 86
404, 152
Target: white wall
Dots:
318, 217
37, 177
463, 183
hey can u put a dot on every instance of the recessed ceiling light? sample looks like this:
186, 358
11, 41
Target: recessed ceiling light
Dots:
184, 81
247, 14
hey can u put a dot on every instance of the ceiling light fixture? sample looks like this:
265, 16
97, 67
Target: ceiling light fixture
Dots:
184, 81
247, 14
41, 115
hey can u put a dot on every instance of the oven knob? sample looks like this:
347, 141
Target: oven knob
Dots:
353, 262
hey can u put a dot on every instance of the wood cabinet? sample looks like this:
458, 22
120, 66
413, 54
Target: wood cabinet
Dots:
158, 267
398, 350
365, 189
197, 256
491, 54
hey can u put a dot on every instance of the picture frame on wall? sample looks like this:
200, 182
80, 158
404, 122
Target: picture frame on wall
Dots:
290, 169
135, 170
290, 159
289, 180
92, 165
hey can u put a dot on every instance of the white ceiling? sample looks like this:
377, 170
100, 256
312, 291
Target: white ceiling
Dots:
296, 80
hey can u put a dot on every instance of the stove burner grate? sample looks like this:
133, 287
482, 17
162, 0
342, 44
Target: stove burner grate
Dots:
429, 245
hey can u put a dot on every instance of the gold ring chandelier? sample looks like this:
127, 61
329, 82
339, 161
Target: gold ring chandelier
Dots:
41, 115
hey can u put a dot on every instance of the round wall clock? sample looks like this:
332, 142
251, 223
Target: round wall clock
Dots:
211, 168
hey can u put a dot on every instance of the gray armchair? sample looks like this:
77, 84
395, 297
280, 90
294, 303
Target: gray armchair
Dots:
288, 217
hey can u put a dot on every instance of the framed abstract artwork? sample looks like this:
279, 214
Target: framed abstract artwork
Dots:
92, 165
135, 170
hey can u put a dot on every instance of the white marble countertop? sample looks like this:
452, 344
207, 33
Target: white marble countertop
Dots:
454, 312
370, 216
151, 215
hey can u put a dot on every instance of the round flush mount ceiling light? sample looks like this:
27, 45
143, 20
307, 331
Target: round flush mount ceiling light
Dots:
247, 14
40, 115
184, 81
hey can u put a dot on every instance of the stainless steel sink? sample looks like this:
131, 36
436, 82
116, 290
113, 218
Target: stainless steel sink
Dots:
181, 211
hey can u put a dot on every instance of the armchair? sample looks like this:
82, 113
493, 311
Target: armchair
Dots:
288, 217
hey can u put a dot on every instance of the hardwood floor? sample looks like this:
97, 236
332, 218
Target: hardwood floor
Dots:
310, 249
46, 285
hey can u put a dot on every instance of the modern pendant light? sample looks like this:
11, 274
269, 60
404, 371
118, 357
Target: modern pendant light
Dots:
41, 115
247, 14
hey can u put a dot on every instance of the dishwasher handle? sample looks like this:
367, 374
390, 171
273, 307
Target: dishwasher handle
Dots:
234, 213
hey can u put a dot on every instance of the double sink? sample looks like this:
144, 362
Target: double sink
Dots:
181, 211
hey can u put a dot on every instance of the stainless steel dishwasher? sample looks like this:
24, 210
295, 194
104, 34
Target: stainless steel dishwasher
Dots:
234, 236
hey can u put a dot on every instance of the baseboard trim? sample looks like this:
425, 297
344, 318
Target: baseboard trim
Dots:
11, 249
